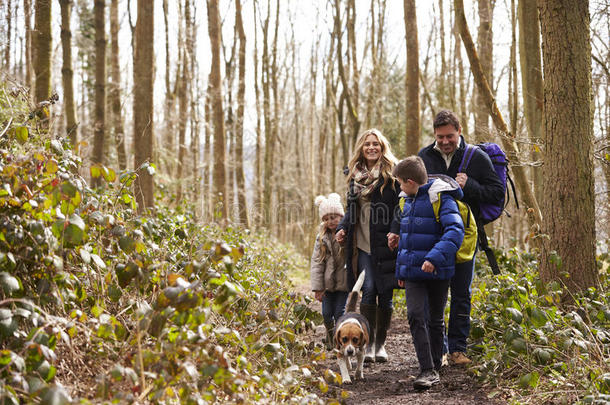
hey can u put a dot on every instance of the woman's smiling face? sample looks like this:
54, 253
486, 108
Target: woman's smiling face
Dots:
371, 150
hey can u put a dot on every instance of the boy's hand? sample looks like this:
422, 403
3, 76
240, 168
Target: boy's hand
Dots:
319, 295
340, 236
427, 267
401, 283
392, 240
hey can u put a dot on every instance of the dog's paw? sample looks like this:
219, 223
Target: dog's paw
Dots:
346, 380
359, 375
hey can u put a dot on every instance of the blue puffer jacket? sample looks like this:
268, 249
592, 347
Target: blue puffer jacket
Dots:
423, 238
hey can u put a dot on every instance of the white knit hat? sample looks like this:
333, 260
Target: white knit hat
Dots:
330, 205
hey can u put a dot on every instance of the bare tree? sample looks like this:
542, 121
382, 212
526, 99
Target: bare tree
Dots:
100, 86
239, 130
183, 100
115, 88
485, 52
568, 195
507, 138
27, 9
531, 79
41, 41
219, 189
143, 79
67, 72
413, 126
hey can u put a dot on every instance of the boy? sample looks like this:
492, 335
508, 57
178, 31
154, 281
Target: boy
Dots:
426, 258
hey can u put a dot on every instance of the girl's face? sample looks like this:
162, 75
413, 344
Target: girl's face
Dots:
371, 150
332, 220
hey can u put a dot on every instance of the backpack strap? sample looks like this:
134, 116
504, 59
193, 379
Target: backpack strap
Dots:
466, 157
512, 185
491, 256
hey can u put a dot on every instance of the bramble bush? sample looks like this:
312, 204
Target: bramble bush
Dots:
98, 303
534, 343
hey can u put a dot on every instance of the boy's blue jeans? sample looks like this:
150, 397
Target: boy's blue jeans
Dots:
370, 294
459, 309
426, 302
333, 305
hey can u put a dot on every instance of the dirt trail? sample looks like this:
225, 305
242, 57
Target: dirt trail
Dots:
392, 382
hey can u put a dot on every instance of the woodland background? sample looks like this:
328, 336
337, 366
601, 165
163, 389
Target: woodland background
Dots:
247, 112
159, 162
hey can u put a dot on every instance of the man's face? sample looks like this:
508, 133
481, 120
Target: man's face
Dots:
447, 138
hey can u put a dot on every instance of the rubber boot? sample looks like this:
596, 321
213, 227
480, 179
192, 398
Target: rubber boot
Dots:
370, 313
384, 315
330, 331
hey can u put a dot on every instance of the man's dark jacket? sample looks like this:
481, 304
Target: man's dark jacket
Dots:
383, 207
483, 184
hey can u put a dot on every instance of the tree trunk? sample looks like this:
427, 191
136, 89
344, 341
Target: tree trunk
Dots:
531, 79
239, 130
42, 42
569, 200
67, 72
485, 45
143, 79
413, 126
219, 190
352, 107
100, 87
168, 144
183, 101
258, 190
507, 138
9, 23
115, 89
27, 9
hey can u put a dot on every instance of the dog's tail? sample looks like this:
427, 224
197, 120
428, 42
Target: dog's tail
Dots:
352, 298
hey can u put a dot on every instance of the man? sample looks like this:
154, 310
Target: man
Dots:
480, 183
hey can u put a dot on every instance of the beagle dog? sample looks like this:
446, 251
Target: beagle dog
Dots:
351, 335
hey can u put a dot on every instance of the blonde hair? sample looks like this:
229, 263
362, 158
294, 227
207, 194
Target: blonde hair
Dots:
322, 230
386, 161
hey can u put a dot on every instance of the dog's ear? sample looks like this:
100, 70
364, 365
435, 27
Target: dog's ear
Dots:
364, 337
337, 337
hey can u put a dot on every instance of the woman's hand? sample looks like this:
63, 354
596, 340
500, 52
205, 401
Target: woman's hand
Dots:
319, 295
392, 240
340, 237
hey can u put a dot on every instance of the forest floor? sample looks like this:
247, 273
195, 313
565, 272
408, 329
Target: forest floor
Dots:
391, 383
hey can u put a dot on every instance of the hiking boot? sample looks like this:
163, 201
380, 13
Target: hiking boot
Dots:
426, 379
459, 359
384, 315
370, 313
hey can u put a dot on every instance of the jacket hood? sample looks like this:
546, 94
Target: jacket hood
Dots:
443, 183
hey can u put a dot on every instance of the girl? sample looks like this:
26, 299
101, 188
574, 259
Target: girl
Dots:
372, 201
328, 275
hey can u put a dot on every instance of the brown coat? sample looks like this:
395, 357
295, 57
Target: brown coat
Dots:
328, 274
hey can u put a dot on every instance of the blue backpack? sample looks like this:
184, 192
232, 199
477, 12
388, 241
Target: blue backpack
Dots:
490, 212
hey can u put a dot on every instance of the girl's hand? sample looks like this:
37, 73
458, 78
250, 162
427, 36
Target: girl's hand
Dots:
401, 283
427, 267
340, 236
319, 295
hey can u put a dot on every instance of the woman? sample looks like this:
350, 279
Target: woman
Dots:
372, 200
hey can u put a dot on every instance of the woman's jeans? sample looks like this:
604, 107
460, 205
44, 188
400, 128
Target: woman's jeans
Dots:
333, 305
370, 293
426, 302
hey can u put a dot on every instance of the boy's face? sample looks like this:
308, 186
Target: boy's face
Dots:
408, 186
332, 221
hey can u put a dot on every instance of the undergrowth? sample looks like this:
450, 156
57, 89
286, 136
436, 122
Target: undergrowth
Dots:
98, 303
533, 344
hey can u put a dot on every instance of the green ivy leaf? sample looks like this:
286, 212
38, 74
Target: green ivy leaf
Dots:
9, 283
109, 174
54, 395
95, 171
98, 261
21, 134
127, 244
